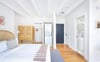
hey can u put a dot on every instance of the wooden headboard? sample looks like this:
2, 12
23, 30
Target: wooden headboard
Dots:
6, 35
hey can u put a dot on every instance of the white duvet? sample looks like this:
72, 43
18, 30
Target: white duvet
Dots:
23, 53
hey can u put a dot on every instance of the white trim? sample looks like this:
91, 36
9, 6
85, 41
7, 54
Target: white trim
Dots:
54, 30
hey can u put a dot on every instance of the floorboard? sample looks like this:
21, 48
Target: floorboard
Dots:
70, 55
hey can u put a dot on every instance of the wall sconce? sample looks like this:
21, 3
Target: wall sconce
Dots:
98, 24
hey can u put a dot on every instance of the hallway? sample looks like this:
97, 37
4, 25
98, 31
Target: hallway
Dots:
69, 55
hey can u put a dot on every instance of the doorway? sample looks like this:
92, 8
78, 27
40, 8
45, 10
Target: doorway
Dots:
59, 33
48, 31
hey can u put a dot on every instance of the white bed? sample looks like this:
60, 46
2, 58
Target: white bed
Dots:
23, 53
10, 51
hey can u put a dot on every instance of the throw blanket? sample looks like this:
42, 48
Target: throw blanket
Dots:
41, 54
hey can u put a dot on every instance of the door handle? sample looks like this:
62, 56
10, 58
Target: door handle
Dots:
65, 34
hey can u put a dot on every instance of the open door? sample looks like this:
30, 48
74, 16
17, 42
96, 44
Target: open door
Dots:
48, 34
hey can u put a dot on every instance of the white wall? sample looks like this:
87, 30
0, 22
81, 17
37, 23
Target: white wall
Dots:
38, 34
20, 20
31, 20
9, 16
60, 19
82, 9
94, 33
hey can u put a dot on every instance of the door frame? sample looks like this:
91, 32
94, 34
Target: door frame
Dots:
63, 33
44, 31
86, 36
78, 36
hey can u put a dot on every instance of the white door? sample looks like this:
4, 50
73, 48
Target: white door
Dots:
80, 34
48, 33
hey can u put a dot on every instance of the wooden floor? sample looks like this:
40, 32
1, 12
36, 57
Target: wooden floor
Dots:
69, 55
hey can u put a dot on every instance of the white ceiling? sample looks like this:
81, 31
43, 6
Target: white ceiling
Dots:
41, 8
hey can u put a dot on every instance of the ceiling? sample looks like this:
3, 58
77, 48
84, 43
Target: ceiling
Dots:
41, 8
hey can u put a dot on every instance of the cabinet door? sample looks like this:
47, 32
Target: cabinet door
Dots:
26, 34
21, 30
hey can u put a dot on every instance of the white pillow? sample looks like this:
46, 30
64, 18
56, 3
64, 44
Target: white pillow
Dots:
3, 46
12, 44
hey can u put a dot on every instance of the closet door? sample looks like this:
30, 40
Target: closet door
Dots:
21, 34
26, 34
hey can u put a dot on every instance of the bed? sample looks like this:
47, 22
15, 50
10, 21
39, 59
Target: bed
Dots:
23, 52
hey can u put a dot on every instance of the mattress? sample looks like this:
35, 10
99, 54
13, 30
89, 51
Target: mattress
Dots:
24, 53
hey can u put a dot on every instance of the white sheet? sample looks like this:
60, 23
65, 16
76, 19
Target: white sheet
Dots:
3, 46
23, 53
